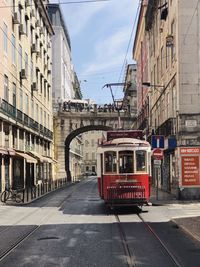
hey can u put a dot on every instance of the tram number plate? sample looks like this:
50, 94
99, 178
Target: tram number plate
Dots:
157, 162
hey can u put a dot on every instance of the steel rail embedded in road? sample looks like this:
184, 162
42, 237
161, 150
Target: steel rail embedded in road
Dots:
169, 253
34, 228
131, 262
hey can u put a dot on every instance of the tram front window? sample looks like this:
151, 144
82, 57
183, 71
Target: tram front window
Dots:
110, 162
141, 160
126, 162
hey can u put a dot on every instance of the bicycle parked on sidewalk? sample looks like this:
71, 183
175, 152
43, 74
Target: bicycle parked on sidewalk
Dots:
12, 194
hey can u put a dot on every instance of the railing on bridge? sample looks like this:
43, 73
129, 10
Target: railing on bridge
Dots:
94, 108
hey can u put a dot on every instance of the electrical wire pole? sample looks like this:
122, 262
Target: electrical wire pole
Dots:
115, 102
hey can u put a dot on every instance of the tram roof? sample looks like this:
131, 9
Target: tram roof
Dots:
126, 141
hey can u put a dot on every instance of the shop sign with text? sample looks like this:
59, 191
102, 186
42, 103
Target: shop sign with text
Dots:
190, 157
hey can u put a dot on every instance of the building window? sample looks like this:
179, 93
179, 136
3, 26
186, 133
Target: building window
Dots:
26, 63
92, 142
6, 89
13, 6
20, 57
41, 84
27, 104
45, 119
21, 100
26, 25
93, 156
5, 38
48, 121
161, 61
32, 109
173, 50
167, 54
37, 111
48, 92
13, 50
32, 73
14, 100
41, 117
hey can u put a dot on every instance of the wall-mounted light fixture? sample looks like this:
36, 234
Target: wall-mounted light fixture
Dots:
148, 84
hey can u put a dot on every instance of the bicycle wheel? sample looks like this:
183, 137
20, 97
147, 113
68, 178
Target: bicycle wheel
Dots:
18, 198
5, 196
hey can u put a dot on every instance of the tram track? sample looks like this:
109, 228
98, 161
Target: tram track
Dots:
168, 252
33, 228
131, 257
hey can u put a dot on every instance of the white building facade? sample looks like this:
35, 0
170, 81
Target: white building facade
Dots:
62, 68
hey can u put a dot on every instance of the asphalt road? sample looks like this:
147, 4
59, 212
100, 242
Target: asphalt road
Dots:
71, 227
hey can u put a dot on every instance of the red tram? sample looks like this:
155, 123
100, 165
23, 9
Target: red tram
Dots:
124, 170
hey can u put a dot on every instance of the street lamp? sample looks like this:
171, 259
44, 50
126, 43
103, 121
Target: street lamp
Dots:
148, 84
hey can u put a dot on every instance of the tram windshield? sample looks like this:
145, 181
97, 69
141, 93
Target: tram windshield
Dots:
110, 161
126, 161
141, 160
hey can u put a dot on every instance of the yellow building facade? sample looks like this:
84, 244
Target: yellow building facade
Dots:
26, 125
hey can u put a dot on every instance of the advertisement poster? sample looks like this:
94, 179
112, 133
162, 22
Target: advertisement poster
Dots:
190, 166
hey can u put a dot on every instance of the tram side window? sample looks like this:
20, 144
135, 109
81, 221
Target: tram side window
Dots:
126, 162
141, 164
110, 161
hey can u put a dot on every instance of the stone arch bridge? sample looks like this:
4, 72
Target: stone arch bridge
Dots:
69, 124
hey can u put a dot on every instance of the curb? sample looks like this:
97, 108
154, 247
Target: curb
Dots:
185, 229
33, 200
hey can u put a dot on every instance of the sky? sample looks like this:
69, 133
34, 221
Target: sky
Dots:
100, 33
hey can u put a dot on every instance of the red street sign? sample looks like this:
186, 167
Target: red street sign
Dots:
158, 153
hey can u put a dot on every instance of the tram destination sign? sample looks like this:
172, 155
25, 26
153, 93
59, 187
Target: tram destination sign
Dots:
138, 134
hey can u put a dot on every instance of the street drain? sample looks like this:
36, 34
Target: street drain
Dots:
48, 238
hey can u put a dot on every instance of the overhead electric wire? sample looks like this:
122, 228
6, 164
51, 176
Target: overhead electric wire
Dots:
60, 3
130, 39
195, 10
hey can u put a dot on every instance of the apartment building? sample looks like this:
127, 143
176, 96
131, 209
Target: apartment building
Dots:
130, 90
171, 33
63, 73
26, 124
65, 86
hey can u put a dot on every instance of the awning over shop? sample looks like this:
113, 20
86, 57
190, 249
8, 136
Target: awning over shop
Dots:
50, 160
38, 156
27, 157
11, 151
3, 151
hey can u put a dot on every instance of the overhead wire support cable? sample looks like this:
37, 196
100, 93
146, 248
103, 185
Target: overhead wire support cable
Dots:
132, 31
61, 3
188, 28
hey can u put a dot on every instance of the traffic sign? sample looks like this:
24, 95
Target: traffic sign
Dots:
158, 154
157, 141
157, 162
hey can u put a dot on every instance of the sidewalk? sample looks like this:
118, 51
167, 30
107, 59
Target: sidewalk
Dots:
190, 225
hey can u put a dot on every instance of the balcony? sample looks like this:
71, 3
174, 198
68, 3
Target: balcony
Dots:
8, 109
167, 128
21, 117
26, 120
